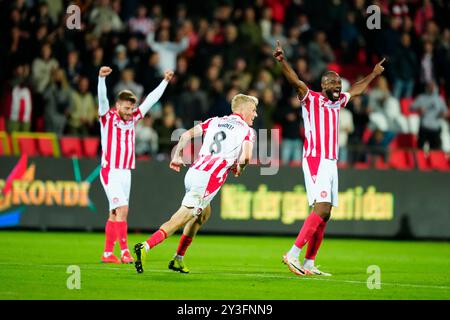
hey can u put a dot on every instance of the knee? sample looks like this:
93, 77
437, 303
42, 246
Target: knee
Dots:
324, 211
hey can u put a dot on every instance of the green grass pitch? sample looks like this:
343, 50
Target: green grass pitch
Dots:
33, 265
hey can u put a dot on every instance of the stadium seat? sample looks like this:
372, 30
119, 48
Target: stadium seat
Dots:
405, 105
366, 135
422, 161
45, 147
401, 160
361, 165
438, 160
71, 147
90, 147
380, 164
28, 146
2, 124
406, 140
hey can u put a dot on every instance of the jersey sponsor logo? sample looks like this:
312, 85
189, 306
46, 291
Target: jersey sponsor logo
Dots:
115, 200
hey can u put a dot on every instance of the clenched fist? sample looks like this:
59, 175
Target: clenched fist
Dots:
104, 71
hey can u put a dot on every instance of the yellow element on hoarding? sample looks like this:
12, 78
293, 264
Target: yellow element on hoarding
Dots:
354, 204
49, 193
236, 208
35, 135
266, 204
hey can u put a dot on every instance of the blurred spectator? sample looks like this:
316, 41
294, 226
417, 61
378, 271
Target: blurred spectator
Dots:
192, 103
73, 68
167, 50
319, 55
428, 64
346, 127
57, 98
148, 75
220, 103
302, 69
230, 49
385, 109
104, 18
127, 83
18, 101
164, 127
141, 23
443, 61
239, 75
350, 38
378, 144
91, 69
83, 113
146, 137
423, 14
121, 61
291, 146
250, 36
404, 66
431, 108
42, 68
358, 106
266, 23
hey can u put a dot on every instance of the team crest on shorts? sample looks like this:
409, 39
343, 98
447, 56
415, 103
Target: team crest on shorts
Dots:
115, 200
323, 194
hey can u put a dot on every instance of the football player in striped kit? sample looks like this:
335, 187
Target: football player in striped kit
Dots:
227, 146
320, 111
117, 128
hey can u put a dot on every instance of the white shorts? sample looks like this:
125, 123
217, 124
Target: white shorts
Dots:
321, 180
200, 189
117, 183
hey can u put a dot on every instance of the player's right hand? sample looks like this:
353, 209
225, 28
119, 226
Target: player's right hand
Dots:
104, 71
176, 164
278, 52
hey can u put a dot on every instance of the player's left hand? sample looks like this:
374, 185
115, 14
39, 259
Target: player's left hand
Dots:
176, 164
278, 52
236, 169
379, 68
168, 75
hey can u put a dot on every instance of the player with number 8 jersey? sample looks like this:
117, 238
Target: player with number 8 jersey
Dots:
227, 146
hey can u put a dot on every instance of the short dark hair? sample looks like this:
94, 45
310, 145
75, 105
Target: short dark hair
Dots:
328, 74
127, 95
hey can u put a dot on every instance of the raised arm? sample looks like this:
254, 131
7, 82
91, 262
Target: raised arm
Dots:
177, 160
154, 96
103, 103
360, 86
289, 73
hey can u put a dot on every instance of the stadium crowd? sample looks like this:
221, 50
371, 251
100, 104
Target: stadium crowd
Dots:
218, 48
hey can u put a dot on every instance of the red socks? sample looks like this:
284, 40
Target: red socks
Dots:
315, 241
185, 241
309, 228
156, 238
121, 231
110, 235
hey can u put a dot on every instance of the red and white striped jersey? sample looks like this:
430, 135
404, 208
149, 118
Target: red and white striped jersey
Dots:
222, 144
117, 138
321, 120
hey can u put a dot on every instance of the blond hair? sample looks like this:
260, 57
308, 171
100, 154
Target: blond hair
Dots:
127, 95
240, 99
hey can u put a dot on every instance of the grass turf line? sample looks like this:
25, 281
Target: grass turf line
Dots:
34, 265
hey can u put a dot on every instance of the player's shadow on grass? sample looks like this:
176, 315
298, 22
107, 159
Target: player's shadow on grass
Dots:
404, 231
